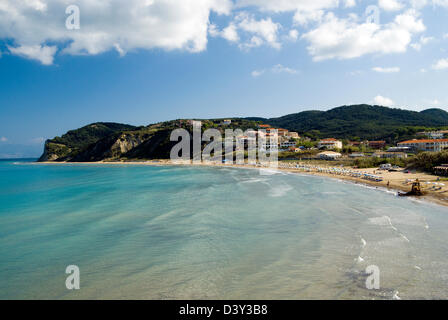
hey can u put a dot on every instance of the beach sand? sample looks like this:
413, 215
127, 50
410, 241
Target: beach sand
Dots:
398, 181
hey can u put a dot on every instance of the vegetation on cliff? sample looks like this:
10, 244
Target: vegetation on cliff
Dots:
359, 122
113, 141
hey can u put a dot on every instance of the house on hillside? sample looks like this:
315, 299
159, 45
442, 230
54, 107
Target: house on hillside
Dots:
401, 149
357, 155
434, 134
330, 143
430, 145
287, 144
293, 135
282, 132
390, 155
377, 144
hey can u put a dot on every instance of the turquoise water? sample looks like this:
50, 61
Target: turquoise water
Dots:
142, 232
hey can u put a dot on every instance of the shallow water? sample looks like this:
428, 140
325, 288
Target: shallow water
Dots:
141, 232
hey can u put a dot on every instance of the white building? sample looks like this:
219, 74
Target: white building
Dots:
390, 155
294, 135
330, 144
432, 145
434, 134
287, 144
357, 155
329, 155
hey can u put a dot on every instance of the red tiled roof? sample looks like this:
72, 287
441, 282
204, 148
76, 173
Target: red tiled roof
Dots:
423, 141
329, 139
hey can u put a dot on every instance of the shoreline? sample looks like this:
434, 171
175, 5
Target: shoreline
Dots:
398, 181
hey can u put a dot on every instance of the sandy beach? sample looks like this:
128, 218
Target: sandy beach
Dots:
436, 192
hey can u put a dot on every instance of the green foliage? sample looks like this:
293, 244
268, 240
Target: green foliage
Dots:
426, 161
350, 149
361, 122
373, 162
306, 144
90, 134
101, 141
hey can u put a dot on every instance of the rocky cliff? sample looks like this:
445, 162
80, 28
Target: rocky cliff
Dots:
112, 142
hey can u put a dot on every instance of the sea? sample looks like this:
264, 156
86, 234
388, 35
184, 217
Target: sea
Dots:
178, 232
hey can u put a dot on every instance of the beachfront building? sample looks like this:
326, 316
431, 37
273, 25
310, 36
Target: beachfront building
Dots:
357, 155
441, 170
390, 155
431, 145
283, 132
354, 143
293, 135
329, 155
400, 149
268, 147
287, 144
377, 144
226, 122
330, 143
434, 134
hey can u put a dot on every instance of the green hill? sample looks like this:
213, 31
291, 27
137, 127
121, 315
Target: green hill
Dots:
113, 141
361, 122
75, 141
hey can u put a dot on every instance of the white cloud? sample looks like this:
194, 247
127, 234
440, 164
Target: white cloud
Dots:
230, 33
289, 5
346, 39
434, 102
257, 73
306, 11
264, 30
349, 3
254, 32
390, 5
386, 70
442, 64
356, 73
3, 139
107, 25
383, 101
275, 69
37, 27
443, 3
282, 69
293, 35
423, 41
44, 54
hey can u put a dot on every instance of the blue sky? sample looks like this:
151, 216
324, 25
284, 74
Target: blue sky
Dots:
144, 61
